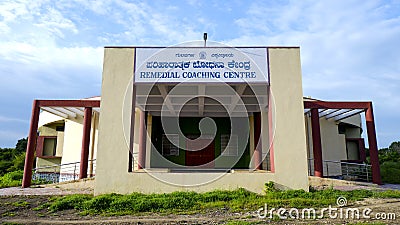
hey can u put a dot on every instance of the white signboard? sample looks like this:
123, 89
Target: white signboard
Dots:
209, 64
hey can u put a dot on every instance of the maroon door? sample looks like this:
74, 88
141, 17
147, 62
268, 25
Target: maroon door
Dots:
203, 157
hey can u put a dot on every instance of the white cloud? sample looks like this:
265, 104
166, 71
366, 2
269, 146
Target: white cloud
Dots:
349, 49
12, 120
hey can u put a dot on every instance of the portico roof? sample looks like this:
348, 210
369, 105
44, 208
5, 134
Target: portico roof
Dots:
69, 108
211, 99
335, 110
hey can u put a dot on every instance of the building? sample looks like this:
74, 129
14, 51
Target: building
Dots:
203, 118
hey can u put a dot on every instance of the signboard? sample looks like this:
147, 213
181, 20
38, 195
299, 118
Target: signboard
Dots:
208, 64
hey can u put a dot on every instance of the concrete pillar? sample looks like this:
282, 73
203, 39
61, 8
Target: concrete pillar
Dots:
317, 146
30, 148
87, 124
142, 140
373, 147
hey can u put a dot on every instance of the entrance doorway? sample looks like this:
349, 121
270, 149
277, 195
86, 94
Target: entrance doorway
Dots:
203, 158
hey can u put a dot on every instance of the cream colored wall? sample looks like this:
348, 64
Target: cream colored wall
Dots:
354, 120
47, 127
41, 162
288, 112
72, 141
46, 118
333, 146
113, 151
289, 143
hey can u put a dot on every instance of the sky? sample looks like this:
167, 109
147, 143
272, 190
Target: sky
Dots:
54, 49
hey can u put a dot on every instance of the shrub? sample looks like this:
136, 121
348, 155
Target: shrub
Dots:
390, 172
100, 203
11, 179
69, 202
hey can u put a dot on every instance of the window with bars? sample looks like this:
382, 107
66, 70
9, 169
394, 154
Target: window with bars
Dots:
229, 148
168, 148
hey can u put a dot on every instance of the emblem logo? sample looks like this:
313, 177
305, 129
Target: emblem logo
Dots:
203, 55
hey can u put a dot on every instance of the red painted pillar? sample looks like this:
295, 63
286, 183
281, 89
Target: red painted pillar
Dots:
142, 140
317, 146
257, 141
31, 146
373, 146
87, 120
132, 137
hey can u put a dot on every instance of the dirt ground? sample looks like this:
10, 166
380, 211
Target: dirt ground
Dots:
21, 210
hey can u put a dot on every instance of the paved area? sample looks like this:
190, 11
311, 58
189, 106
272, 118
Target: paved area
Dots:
391, 186
42, 191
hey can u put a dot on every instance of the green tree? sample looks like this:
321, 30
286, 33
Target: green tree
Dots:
389, 159
12, 159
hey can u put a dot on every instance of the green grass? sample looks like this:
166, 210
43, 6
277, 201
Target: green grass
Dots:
178, 202
14, 179
20, 204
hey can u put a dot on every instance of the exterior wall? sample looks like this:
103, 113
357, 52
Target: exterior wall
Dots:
290, 155
72, 141
353, 120
73, 146
43, 162
333, 147
112, 146
289, 139
69, 144
49, 122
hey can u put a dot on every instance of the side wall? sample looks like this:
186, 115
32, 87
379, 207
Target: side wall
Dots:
289, 139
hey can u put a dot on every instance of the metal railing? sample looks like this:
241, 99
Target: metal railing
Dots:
343, 170
62, 172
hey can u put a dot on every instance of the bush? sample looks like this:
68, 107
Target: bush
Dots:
100, 203
390, 172
11, 179
69, 202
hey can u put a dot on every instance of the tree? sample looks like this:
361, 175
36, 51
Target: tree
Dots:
12, 159
395, 146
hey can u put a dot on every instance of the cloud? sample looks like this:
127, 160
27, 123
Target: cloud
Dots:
12, 120
349, 49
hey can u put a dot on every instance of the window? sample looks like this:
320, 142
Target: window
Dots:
49, 146
60, 128
169, 149
229, 149
342, 129
46, 146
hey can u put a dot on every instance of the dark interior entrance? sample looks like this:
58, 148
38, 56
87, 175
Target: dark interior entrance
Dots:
203, 157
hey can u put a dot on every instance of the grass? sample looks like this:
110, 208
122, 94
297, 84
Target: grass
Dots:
188, 202
14, 179
20, 204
